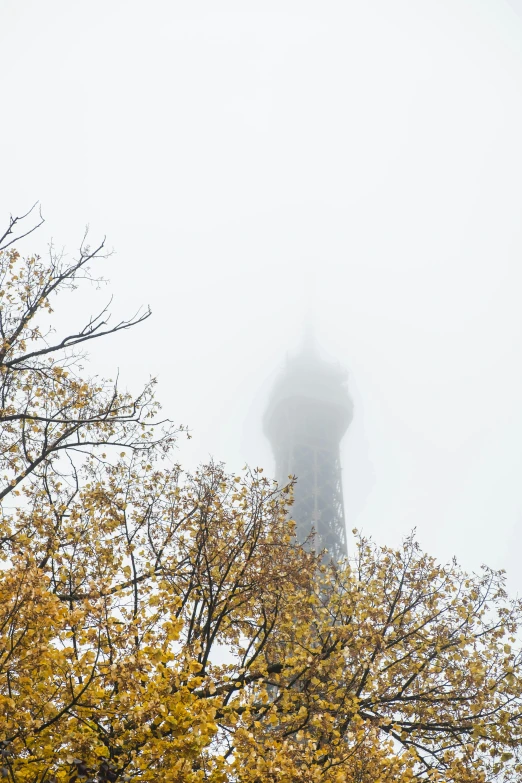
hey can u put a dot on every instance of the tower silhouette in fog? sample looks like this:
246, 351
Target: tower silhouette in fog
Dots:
308, 413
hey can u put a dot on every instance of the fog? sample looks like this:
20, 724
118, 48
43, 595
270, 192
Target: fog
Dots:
255, 165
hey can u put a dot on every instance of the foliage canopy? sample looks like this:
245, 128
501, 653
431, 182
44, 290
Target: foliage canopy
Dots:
162, 626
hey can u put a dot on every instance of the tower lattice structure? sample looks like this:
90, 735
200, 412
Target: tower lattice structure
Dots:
308, 414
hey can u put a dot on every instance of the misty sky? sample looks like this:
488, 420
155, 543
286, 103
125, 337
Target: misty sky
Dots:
255, 163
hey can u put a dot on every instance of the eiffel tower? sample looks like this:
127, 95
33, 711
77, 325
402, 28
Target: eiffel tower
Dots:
308, 413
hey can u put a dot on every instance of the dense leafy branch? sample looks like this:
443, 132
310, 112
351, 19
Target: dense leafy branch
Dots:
156, 625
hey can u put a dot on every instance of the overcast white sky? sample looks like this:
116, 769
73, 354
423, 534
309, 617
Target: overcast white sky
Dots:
251, 162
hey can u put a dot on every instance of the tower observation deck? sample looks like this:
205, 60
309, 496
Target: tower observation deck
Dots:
308, 413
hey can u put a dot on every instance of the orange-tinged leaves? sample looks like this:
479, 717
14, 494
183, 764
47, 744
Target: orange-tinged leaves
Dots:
164, 626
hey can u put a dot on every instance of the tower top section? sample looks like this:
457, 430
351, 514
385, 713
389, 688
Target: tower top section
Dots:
308, 413
311, 395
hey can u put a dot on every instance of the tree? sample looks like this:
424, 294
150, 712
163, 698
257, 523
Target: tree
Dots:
156, 625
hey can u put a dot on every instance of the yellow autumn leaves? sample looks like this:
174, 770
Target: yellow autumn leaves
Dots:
159, 626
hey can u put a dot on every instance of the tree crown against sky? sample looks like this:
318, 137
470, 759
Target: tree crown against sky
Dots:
162, 626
